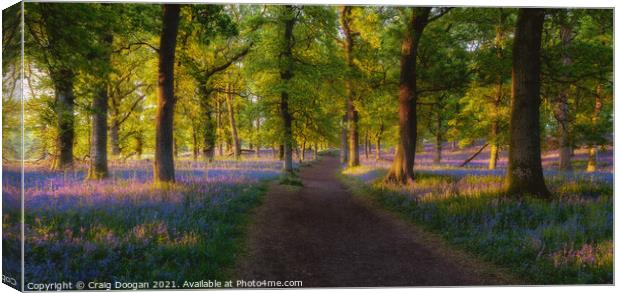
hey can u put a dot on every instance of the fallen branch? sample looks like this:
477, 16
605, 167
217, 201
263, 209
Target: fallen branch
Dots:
473, 156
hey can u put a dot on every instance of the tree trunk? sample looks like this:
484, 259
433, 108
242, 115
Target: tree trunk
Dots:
218, 132
344, 147
258, 138
525, 174
286, 73
378, 143
209, 129
233, 124
315, 154
352, 114
63, 87
494, 154
402, 166
494, 135
99, 141
195, 147
593, 152
561, 107
99, 145
164, 160
438, 140
366, 145
115, 146
281, 152
139, 144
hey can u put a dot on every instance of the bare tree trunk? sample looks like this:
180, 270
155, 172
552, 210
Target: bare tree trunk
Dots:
494, 154
115, 146
438, 140
195, 146
494, 135
218, 134
98, 168
63, 89
315, 154
344, 147
139, 145
208, 127
561, 107
99, 146
402, 166
258, 138
281, 152
233, 124
378, 143
525, 174
366, 145
593, 152
303, 150
164, 160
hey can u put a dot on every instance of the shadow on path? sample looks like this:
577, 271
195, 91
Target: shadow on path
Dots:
324, 236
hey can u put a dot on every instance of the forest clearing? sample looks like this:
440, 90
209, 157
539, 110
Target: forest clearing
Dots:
339, 146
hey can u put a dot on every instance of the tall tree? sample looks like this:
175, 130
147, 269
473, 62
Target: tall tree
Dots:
286, 73
561, 109
230, 103
401, 170
98, 168
352, 113
59, 42
525, 174
164, 157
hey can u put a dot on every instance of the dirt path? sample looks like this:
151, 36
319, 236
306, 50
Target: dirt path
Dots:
324, 236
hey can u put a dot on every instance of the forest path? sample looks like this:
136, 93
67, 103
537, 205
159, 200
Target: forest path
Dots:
324, 236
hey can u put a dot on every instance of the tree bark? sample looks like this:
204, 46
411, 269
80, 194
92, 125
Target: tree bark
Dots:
286, 73
139, 144
98, 168
366, 145
315, 154
281, 152
99, 142
233, 123
352, 113
258, 138
525, 174
63, 88
494, 135
401, 170
494, 154
114, 138
561, 107
438, 140
378, 143
209, 129
344, 147
164, 159
593, 151
195, 146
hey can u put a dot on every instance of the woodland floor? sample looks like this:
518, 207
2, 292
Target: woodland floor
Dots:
324, 236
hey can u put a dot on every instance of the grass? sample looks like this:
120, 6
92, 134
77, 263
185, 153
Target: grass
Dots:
568, 240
